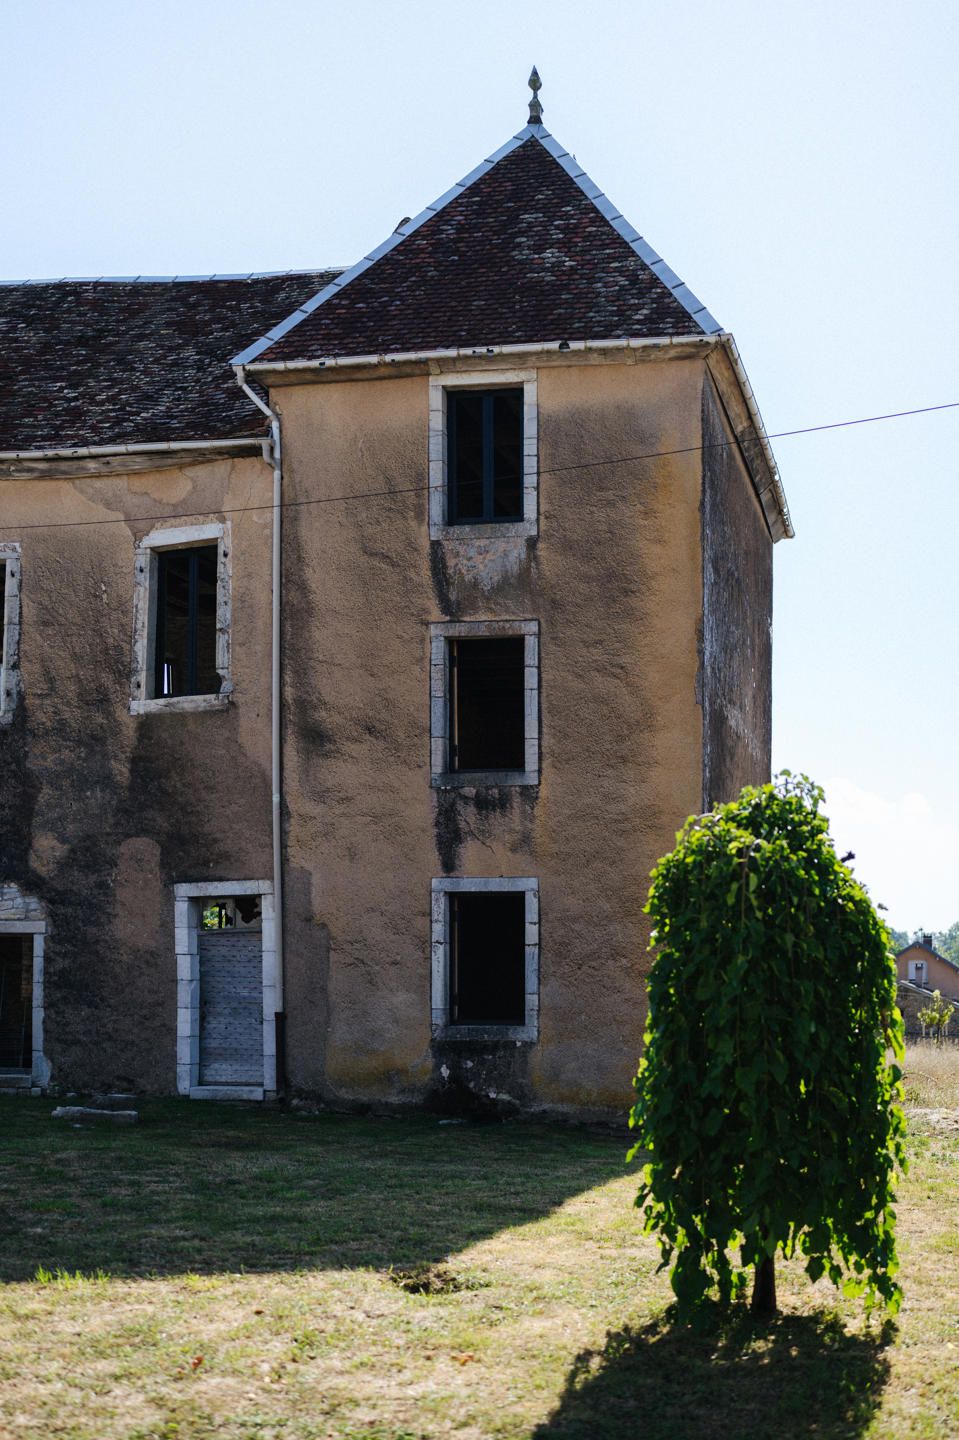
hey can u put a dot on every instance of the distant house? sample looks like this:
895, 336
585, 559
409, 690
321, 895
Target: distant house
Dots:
921, 965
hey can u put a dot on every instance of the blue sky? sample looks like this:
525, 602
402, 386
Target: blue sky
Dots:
796, 164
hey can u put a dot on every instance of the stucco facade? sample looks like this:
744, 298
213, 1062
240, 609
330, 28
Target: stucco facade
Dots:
303, 788
613, 578
105, 811
101, 810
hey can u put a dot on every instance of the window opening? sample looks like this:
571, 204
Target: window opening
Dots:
16, 1002
487, 704
186, 622
216, 916
484, 434
240, 912
487, 957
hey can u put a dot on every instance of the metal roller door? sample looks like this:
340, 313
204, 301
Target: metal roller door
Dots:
231, 1008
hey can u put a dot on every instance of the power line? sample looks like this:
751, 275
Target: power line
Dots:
420, 489
774, 435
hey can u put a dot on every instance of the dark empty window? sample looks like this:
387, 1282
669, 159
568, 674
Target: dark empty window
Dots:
488, 957
16, 1001
487, 711
186, 622
484, 436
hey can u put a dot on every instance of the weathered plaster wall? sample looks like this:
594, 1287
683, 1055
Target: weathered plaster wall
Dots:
614, 578
102, 812
737, 617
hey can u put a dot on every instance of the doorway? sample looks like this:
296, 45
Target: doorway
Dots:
226, 990
230, 956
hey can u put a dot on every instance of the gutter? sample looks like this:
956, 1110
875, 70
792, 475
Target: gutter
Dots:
537, 347
252, 443
272, 451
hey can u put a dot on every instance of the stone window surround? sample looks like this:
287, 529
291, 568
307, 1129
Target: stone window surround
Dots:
441, 776
440, 959
187, 901
178, 537
482, 380
9, 631
21, 915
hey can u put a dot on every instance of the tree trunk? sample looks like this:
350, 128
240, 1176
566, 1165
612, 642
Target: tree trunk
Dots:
763, 1304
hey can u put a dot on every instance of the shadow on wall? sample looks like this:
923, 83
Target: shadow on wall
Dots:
208, 1188
801, 1376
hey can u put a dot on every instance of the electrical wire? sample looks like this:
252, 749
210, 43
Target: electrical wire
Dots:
420, 489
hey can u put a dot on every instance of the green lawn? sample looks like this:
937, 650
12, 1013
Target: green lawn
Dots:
241, 1272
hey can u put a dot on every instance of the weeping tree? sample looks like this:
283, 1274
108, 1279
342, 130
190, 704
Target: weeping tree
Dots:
767, 1097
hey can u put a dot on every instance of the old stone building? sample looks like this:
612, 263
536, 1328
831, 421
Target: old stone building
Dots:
356, 675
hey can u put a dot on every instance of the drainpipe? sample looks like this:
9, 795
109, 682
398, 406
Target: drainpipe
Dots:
272, 451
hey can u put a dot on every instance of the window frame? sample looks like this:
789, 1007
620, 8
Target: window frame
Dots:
440, 929
441, 632
184, 537
439, 522
10, 683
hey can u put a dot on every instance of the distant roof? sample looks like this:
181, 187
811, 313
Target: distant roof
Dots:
128, 361
921, 945
525, 248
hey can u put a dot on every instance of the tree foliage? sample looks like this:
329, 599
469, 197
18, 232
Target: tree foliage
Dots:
947, 942
766, 1108
898, 939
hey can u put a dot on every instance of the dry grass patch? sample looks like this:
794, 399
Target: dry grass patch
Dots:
251, 1275
932, 1077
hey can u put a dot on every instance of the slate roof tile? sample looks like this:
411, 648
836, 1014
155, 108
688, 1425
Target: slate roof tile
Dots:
522, 254
110, 362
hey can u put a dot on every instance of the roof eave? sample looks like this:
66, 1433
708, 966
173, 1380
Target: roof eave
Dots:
480, 352
759, 429
55, 461
303, 369
83, 452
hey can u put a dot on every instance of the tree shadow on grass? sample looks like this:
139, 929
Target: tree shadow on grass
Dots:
211, 1188
801, 1375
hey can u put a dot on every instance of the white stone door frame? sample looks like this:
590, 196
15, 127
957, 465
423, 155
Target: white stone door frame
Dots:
187, 902
40, 1066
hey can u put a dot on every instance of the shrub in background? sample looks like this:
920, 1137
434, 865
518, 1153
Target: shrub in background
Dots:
936, 1016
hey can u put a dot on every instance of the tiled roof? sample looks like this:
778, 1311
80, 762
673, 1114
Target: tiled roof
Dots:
921, 945
111, 362
526, 248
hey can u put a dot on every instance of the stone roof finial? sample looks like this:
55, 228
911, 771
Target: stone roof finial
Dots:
535, 108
